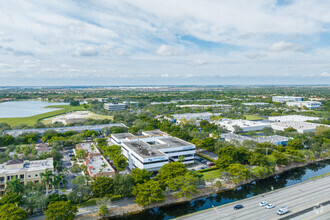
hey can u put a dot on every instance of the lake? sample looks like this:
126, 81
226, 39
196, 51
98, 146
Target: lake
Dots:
25, 108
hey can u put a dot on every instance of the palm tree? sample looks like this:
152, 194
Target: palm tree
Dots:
47, 178
15, 185
60, 178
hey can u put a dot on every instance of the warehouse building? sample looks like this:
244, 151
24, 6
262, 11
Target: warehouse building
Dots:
255, 104
245, 125
287, 99
301, 127
273, 139
300, 118
153, 149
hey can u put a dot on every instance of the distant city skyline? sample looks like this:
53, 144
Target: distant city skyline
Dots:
185, 42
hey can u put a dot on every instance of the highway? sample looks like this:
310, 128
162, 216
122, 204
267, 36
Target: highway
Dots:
297, 198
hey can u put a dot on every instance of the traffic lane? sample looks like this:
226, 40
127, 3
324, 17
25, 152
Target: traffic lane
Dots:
252, 210
277, 197
316, 212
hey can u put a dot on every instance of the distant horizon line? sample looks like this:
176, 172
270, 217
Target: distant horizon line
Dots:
169, 85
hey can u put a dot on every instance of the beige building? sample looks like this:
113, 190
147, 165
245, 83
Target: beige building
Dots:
24, 170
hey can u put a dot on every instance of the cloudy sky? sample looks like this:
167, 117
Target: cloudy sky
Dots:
151, 42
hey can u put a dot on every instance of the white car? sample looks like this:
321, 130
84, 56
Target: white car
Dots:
282, 210
263, 203
270, 206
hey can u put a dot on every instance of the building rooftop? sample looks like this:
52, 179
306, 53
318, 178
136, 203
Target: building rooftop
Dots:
35, 165
154, 133
241, 123
259, 139
122, 135
90, 147
195, 115
300, 118
99, 165
15, 161
16, 133
144, 149
298, 125
171, 142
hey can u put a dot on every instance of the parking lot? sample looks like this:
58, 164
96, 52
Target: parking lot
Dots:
200, 164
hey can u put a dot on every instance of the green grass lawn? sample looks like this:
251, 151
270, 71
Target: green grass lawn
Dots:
211, 174
32, 120
253, 117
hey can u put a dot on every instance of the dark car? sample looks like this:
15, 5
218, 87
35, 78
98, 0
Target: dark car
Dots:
204, 161
238, 207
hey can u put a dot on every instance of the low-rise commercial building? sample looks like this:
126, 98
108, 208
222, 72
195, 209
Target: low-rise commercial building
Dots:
287, 98
255, 104
307, 104
16, 133
273, 139
195, 116
25, 170
301, 127
98, 165
245, 125
300, 118
153, 149
90, 148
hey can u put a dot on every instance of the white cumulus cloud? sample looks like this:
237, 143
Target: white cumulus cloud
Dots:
285, 46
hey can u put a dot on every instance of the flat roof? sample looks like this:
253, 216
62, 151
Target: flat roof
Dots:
122, 135
293, 118
100, 165
172, 142
29, 166
144, 149
155, 133
16, 133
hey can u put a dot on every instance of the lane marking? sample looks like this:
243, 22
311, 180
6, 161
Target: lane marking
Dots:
300, 209
317, 214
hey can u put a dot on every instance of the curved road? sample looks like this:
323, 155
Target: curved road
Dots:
297, 198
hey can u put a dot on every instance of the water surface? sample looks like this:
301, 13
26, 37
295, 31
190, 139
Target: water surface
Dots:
15, 109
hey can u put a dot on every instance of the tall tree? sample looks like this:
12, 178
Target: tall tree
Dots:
47, 178
11, 211
15, 185
62, 210
148, 193
140, 175
58, 180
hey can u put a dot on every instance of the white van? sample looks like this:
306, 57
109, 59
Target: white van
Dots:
282, 210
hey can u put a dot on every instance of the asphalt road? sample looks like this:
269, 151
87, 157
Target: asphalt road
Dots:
296, 198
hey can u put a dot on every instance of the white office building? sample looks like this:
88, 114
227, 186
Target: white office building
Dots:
153, 149
287, 99
115, 106
245, 125
300, 118
307, 104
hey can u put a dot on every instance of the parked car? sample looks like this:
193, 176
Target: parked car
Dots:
239, 206
204, 161
210, 163
270, 206
203, 168
263, 203
282, 210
